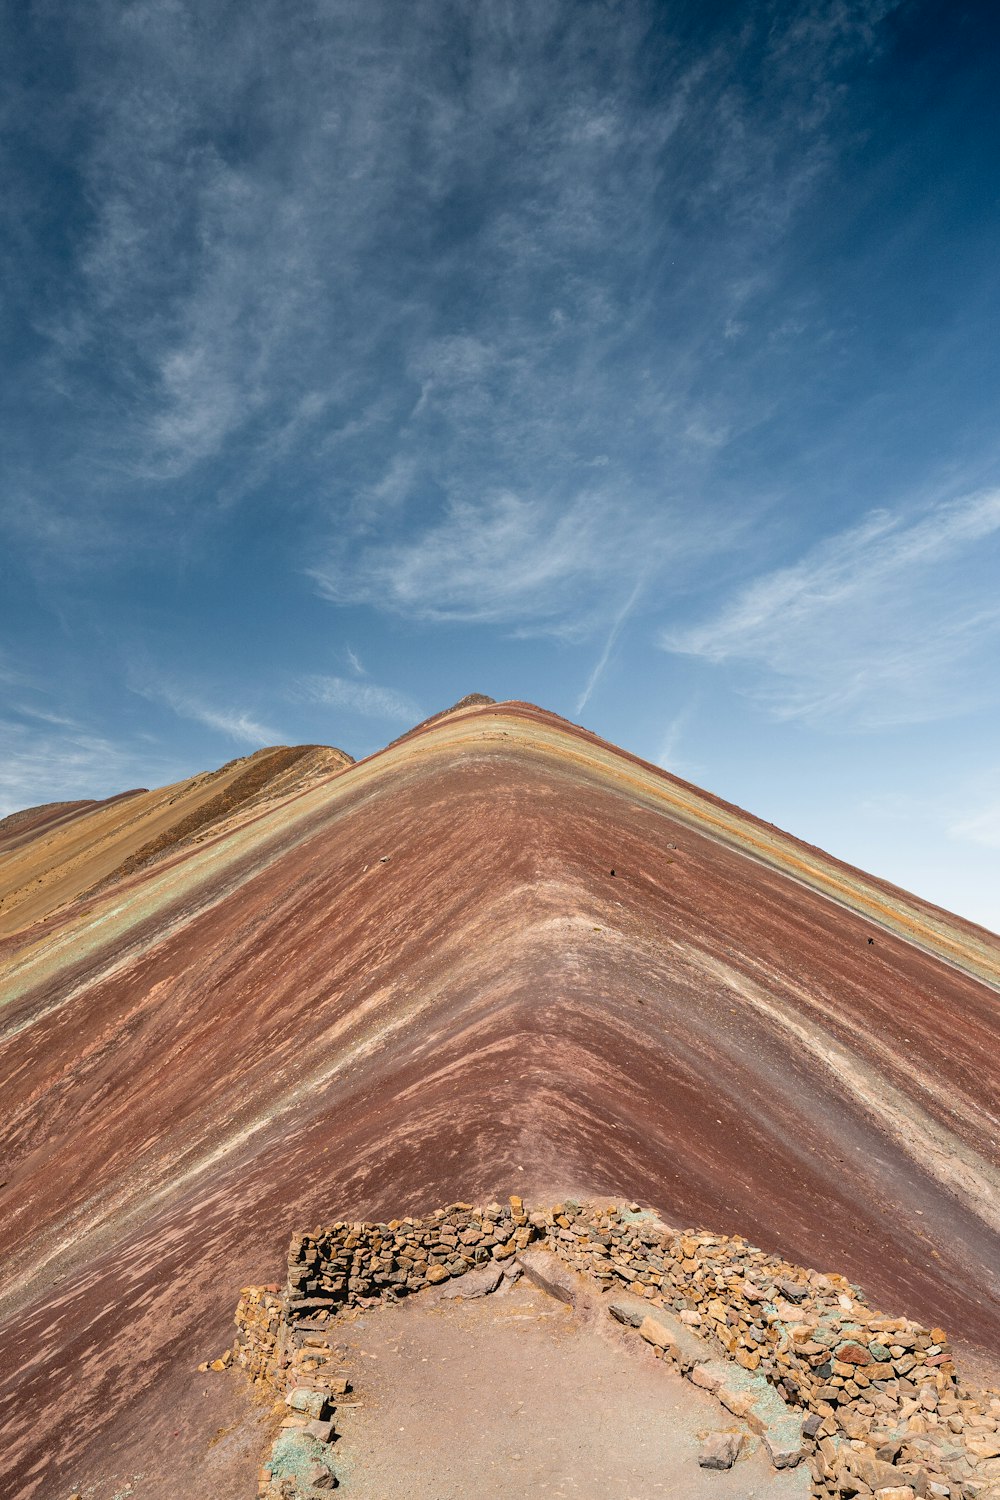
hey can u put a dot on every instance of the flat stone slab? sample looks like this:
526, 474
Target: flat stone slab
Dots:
475, 1284
750, 1397
670, 1334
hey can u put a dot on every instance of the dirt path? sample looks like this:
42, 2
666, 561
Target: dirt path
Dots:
523, 1394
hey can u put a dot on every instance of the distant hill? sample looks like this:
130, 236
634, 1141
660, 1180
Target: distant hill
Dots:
53, 855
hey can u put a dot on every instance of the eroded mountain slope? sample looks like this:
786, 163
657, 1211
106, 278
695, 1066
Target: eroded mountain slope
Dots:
419, 980
51, 856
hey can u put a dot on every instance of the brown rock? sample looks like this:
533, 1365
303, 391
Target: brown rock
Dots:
720, 1450
477, 1283
875, 1473
654, 1332
983, 1447
848, 1483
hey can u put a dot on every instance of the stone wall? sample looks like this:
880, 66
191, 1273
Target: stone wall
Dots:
876, 1401
262, 1329
349, 1262
884, 1405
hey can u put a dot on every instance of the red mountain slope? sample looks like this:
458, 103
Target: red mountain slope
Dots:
499, 956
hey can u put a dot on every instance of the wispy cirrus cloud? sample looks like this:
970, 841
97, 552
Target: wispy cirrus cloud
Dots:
237, 724
527, 562
980, 827
667, 755
577, 353
942, 831
895, 620
501, 559
600, 666
60, 763
48, 754
341, 227
365, 698
974, 813
51, 756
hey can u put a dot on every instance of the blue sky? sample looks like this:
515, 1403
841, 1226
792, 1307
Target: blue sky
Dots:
635, 359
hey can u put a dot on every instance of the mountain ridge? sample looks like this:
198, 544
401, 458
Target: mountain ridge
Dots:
417, 980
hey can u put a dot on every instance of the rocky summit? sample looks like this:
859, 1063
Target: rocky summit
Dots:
455, 1012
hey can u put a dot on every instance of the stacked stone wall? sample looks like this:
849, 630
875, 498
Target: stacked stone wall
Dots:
347, 1263
883, 1402
261, 1326
879, 1402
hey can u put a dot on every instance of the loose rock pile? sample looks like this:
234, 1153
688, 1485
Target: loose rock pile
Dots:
885, 1408
873, 1403
260, 1318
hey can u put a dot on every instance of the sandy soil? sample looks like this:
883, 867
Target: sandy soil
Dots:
522, 1394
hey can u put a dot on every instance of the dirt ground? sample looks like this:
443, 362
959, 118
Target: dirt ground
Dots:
196, 1436
524, 1394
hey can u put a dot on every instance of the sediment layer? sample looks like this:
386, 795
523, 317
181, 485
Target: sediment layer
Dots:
417, 978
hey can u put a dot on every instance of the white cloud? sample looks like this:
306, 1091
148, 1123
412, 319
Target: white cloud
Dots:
600, 666
364, 698
64, 762
667, 754
895, 620
489, 561
515, 560
339, 227
981, 826
46, 716
8, 675
932, 828
235, 723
